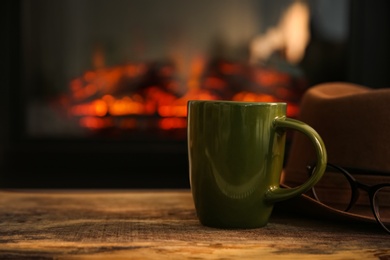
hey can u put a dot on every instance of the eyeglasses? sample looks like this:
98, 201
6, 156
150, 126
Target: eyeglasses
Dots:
340, 190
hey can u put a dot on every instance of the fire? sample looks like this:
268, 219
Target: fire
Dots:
95, 122
172, 123
95, 108
120, 96
125, 106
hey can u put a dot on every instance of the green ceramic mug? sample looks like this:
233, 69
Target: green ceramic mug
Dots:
236, 152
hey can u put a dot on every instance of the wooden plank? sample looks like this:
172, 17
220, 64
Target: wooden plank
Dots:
137, 224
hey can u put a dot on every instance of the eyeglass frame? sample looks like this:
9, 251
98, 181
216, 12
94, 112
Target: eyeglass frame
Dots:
355, 186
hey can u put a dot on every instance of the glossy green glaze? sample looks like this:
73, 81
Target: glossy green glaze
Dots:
236, 152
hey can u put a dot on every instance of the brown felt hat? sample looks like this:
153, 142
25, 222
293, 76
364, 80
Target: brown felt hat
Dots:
354, 123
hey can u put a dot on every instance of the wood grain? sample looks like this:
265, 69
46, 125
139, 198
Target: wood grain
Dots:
160, 224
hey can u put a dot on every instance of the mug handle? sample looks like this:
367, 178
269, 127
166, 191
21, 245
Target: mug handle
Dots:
275, 193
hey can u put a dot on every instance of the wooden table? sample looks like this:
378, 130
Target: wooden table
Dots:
161, 224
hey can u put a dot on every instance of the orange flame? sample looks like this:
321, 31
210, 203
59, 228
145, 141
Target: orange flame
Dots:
99, 98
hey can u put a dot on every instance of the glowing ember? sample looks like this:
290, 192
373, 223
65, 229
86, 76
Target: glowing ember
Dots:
118, 97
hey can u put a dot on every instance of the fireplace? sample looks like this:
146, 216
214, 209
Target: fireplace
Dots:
97, 91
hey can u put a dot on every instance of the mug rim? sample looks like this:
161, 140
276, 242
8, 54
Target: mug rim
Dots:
237, 102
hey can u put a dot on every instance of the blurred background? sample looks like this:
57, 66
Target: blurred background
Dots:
94, 92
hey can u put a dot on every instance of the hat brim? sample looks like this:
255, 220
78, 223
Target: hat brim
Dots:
306, 205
